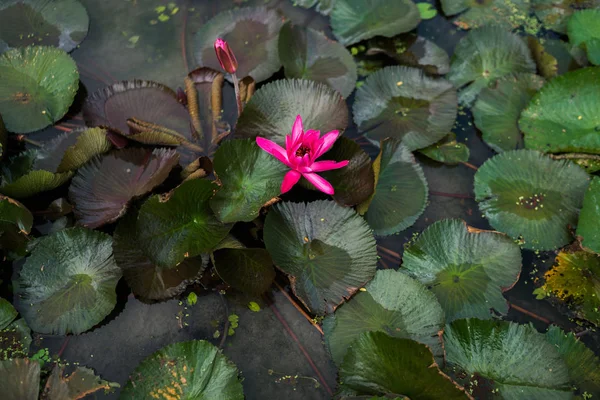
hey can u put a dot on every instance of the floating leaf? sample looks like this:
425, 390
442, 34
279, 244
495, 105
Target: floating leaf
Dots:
102, 189
356, 20
78, 385
308, 54
146, 279
531, 197
563, 116
14, 215
67, 284
426, 10
322, 6
401, 191
467, 269
249, 177
509, 14
378, 364
589, 218
272, 110
485, 55
498, 107
328, 251
392, 303
403, 103
15, 340
248, 270
251, 32
447, 151
514, 360
555, 14
7, 313
194, 369
180, 224
19, 379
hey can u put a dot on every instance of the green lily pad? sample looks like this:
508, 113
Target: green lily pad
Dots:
272, 110
498, 107
102, 189
252, 34
509, 14
38, 86
467, 269
403, 103
327, 250
589, 218
180, 224
78, 385
7, 313
15, 224
308, 54
146, 279
563, 116
247, 270
67, 284
400, 193
322, 6
531, 197
575, 279
447, 151
378, 364
194, 369
59, 23
20, 379
392, 303
514, 360
249, 177
356, 20
555, 14
484, 55
427, 10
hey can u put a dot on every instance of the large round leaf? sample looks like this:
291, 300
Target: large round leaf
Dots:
498, 107
59, 23
515, 360
485, 55
103, 188
404, 103
38, 86
531, 197
67, 284
272, 110
565, 114
392, 303
584, 30
589, 218
327, 250
248, 270
466, 268
249, 177
252, 34
185, 370
378, 364
509, 14
401, 191
180, 224
356, 20
20, 379
308, 54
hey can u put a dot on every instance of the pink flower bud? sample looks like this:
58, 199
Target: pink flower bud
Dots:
225, 56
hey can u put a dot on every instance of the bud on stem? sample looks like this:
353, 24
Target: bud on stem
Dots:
225, 56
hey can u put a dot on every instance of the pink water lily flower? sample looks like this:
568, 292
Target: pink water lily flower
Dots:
300, 154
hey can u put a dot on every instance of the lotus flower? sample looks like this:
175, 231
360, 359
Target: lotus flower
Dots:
301, 152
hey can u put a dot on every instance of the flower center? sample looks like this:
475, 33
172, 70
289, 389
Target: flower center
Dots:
302, 150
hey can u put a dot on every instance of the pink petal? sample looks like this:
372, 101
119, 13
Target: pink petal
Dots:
326, 142
311, 138
297, 129
290, 179
273, 149
327, 165
319, 183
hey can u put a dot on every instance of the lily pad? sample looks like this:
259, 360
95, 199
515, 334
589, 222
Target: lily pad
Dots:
67, 284
20, 379
589, 218
509, 14
531, 197
327, 250
467, 269
272, 110
392, 303
249, 177
252, 34
356, 20
248, 270
78, 385
555, 14
14, 215
563, 116
515, 360
484, 55
102, 189
400, 193
378, 364
7, 313
59, 23
15, 340
194, 369
447, 151
403, 103
38, 86
145, 278
180, 224
498, 107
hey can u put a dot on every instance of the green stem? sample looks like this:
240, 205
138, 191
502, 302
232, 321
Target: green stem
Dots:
236, 86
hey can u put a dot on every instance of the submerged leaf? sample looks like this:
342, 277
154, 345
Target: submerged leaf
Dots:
447, 151
509, 14
248, 270
19, 379
589, 218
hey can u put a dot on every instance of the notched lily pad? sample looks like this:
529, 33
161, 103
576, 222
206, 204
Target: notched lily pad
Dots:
248, 270
447, 151
589, 218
